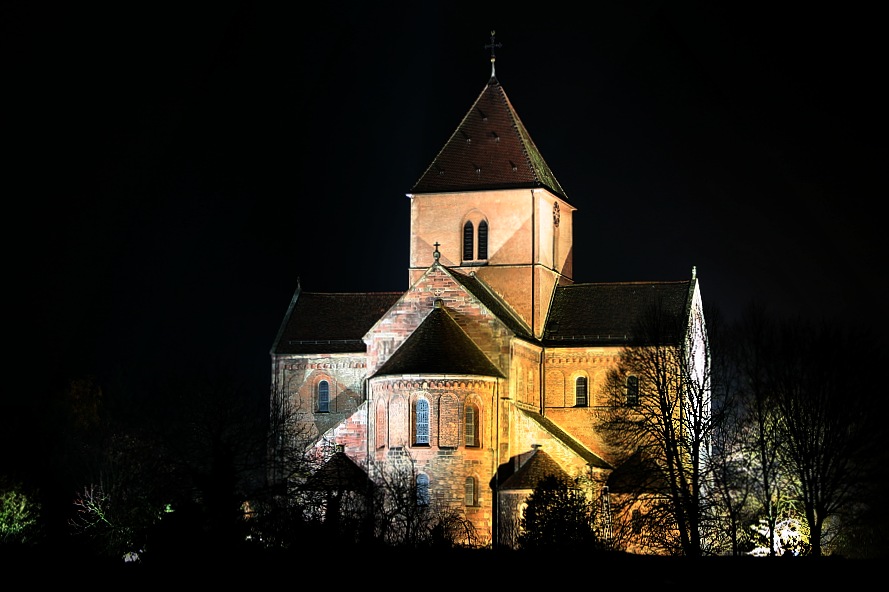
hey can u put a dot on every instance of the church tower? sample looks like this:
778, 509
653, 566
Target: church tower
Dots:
493, 208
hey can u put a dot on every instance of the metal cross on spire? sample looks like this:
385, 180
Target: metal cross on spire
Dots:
493, 45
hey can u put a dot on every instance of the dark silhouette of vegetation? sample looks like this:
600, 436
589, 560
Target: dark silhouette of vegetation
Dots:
799, 461
558, 516
794, 437
820, 385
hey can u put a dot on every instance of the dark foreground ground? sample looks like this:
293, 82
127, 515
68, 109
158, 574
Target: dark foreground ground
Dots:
350, 568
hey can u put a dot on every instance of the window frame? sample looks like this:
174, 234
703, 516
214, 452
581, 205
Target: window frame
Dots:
470, 492
471, 426
422, 436
632, 397
482, 241
586, 391
468, 241
422, 489
323, 396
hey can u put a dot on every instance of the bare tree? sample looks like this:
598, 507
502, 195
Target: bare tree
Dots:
820, 384
283, 512
127, 485
748, 463
667, 419
405, 514
731, 468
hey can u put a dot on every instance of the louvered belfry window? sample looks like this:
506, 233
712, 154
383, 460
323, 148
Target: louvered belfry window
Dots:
483, 240
468, 231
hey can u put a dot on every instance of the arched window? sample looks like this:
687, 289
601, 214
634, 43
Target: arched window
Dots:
471, 435
323, 397
483, 239
468, 232
580, 392
422, 490
469, 492
421, 422
632, 390
475, 239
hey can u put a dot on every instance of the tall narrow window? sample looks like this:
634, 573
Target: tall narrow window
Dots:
471, 425
483, 239
422, 490
467, 241
632, 390
469, 498
421, 422
323, 397
580, 392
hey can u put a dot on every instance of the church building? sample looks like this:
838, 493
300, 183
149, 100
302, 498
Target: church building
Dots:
485, 373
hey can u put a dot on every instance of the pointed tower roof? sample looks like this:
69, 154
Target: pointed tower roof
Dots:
491, 149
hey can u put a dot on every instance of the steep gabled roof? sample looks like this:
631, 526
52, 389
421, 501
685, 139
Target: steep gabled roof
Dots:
319, 322
609, 314
491, 149
339, 473
439, 346
536, 468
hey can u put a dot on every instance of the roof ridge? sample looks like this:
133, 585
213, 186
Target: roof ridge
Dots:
623, 283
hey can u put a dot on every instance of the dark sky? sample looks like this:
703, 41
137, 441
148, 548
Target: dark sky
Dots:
171, 171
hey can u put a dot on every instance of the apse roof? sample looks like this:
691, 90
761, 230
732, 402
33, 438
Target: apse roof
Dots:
439, 346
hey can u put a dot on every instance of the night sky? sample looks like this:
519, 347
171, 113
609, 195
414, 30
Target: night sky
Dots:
171, 172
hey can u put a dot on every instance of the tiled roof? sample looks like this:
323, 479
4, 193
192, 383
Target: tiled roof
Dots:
339, 473
439, 346
609, 314
493, 303
555, 431
537, 467
491, 149
331, 322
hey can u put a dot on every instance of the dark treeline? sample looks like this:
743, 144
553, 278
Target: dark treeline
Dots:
796, 464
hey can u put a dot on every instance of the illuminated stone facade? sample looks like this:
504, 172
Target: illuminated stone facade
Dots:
492, 354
